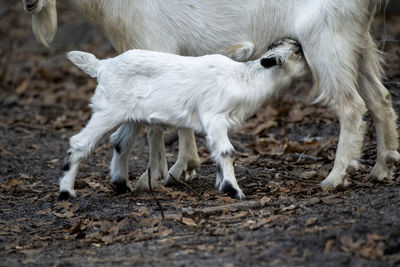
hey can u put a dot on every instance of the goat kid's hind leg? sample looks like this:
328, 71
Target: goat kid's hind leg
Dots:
81, 145
123, 141
222, 152
157, 160
379, 103
188, 160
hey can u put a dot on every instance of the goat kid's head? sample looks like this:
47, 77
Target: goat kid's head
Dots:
44, 19
286, 55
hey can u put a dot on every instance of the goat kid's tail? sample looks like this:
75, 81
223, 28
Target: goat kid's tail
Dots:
85, 61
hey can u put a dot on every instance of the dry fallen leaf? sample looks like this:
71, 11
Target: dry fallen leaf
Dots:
43, 212
264, 200
311, 221
30, 252
259, 223
188, 221
164, 233
12, 182
142, 211
329, 245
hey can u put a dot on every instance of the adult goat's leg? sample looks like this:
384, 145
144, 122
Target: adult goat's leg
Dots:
379, 103
188, 160
157, 160
350, 110
123, 141
335, 70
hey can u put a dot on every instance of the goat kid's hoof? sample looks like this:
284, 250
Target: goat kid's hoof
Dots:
65, 195
121, 187
228, 188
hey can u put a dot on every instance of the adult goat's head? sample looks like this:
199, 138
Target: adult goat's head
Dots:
44, 19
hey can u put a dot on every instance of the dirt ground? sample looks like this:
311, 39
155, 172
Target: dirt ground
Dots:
283, 153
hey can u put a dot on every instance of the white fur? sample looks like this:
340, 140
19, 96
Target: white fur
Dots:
44, 23
342, 56
211, 94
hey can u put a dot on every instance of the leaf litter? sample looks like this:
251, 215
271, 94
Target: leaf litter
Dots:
282, 153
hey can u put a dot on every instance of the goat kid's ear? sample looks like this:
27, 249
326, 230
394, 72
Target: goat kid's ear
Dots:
269, 62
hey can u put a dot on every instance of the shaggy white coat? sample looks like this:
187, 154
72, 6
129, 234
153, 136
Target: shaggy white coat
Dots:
335, 35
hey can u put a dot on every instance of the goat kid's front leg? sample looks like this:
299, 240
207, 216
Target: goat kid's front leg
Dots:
81, 145
222, 152
188, 160
157, 160
123, 141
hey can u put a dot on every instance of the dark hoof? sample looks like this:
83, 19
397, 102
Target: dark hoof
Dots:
120, 187
65, 195
228, 188
170, 181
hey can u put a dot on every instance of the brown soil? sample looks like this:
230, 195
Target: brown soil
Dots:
282, 154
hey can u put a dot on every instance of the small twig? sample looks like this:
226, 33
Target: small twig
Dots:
28, 126
154, 197
303, 204
243, 205
300, 158
306, 157
187, 185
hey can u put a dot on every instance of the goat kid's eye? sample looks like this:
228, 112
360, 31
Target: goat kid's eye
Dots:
269, 62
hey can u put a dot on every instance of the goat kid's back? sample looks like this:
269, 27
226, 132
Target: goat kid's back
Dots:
154, 80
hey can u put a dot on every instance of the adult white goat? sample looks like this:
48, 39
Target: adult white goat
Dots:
341, 54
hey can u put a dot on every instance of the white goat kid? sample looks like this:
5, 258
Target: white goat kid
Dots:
211, 94
334, 35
